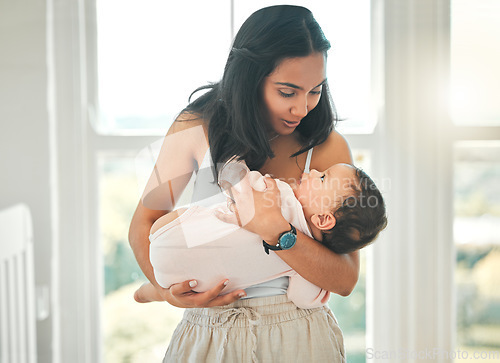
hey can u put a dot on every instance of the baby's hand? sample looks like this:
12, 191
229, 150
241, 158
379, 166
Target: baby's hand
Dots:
256, 211
257, 181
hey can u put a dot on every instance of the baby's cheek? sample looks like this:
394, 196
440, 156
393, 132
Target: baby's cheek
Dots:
302, 197
315, 185
309, 199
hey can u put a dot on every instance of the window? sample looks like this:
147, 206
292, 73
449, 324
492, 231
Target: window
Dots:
475, 77
475, 55
477, 243
142, 46
146, 71
140, 91
409, 288
351, 311
132, 332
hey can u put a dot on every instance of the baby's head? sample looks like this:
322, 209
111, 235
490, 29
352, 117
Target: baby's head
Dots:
343, 207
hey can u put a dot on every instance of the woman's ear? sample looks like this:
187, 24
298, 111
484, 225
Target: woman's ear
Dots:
324, 221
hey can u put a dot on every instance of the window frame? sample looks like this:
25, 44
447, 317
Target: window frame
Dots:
410, 299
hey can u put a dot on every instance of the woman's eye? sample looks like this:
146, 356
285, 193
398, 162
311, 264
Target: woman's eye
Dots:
284, 94
315, 93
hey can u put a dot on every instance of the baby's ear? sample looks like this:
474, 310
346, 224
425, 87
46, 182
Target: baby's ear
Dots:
324, 221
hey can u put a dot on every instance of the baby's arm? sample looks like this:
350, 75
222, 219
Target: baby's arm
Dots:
147, 293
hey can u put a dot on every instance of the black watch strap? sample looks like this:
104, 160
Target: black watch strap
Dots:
268, 247
277, 246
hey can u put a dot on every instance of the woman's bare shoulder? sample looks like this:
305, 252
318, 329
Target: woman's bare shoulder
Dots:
187, 120
189, 131
335, 149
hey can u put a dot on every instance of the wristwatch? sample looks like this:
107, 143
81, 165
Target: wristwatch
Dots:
286, 241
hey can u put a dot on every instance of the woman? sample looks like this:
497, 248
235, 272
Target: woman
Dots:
271, 108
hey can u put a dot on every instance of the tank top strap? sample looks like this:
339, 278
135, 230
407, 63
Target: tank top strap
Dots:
207, 160
308, 160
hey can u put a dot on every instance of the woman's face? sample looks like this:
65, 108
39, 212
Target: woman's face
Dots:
292, 90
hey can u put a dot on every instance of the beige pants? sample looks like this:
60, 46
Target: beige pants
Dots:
268, 329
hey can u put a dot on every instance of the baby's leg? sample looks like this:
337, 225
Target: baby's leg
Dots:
167, 218
147, 293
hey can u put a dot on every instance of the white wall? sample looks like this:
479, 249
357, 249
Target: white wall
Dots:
24, 137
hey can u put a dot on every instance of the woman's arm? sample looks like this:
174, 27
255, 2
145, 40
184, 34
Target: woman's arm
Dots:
259, 212
319, 265
138, 237
172, 172
312, 260
179, 295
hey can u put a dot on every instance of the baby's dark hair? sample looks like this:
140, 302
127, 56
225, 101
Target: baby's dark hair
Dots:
360, 218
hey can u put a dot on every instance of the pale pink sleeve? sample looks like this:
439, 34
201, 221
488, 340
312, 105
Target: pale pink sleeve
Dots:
305, 294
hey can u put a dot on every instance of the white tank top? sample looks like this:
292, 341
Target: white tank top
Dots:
206, 192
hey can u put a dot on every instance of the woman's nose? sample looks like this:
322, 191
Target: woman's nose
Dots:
299, 109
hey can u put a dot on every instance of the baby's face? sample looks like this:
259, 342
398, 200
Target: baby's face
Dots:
320, 192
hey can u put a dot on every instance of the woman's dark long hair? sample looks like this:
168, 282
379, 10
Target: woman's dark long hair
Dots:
234, 108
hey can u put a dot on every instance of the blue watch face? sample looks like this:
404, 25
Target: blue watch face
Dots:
287, 241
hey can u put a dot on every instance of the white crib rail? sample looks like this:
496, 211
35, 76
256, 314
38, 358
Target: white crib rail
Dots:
17, 291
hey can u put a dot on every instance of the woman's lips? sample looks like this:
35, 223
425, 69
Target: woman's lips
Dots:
291, 123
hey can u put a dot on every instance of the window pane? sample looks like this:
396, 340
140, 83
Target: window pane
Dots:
151, 55
351, 311
136, 332
346, 25
351, 315
132, 332
475, 56
477, 242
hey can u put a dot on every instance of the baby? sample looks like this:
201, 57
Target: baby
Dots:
341, 207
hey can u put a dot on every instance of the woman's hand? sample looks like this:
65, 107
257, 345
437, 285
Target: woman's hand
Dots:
256, 211
182, 295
